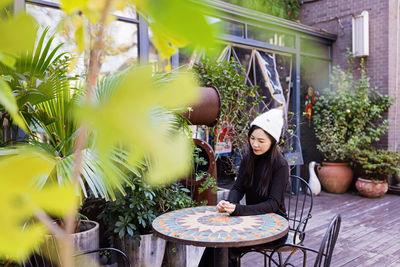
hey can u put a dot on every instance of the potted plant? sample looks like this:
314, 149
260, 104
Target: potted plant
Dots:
128, 219
239, 102
202, 182
376, 167
347, 117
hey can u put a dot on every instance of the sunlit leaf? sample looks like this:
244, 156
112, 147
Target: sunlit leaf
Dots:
135, 126
9, 102
17, 34
80, 36
92, 9
7, 60
65, 195
175, 23
5, 3
20, 200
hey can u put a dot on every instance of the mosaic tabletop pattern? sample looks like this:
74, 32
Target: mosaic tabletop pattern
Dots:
205, 226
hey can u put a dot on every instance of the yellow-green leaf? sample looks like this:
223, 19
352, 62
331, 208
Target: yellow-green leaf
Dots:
92, 9
170, 18
20, 200
130, 118
5, 3
66, 199
7, 60
9, 102
17, 34
171, 163
80, 37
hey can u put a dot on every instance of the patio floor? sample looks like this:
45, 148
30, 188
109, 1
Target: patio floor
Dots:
369, 233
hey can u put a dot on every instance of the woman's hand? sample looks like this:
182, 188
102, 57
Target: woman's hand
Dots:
229, 207
221, 205
226, 206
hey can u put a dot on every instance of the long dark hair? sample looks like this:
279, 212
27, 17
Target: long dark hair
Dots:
267, 170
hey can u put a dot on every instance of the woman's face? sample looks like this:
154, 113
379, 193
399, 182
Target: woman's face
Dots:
260, 142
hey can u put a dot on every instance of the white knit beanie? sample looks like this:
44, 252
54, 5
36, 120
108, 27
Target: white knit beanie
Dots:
271, 122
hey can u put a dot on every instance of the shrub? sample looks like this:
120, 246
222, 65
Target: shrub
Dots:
349, 115
377, 164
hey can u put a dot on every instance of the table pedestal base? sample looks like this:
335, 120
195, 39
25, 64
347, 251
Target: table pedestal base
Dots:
221, 257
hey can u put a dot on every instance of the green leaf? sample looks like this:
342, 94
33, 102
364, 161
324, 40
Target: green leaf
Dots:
137, 125
9, 102
17, 34
5, 3
7, 60
168, 22
20, 200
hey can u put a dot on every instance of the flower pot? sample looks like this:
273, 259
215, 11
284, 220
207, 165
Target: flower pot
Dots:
150, 252
335, 177
372, 189
207, 109
208, 195
87, 239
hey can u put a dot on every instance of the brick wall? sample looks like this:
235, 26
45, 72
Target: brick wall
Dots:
394, 72
336, 16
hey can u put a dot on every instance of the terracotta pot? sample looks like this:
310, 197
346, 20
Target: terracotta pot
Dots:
335, 177
207, 109
372, 189
211, 168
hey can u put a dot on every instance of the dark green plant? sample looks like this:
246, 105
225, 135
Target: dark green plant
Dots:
38, 76
237, 98
173, 197
377, 165
209, 182
131, 215
349, 116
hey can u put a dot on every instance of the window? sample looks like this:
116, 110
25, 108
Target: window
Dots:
270, 36
121, 40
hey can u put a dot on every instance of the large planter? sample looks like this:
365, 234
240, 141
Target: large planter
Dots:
335, 177
207, 109
372, 189
87, 239
208, 195
150, 252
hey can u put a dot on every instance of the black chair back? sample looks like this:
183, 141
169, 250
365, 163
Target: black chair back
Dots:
299, 204
117, 257
323, 255
328, 243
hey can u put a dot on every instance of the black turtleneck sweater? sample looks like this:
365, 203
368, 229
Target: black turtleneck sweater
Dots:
255, 202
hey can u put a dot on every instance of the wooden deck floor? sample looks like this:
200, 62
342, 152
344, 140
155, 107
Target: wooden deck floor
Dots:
369, 234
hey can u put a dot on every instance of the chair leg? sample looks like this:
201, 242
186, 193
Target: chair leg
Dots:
265, 260
304, 258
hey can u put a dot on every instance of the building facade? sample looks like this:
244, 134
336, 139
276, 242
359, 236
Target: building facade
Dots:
383, 61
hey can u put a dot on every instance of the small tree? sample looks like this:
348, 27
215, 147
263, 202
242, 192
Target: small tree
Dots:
349, 116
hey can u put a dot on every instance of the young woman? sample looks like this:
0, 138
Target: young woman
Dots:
263, 176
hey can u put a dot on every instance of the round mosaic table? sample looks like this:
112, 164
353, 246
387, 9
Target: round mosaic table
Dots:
205, 226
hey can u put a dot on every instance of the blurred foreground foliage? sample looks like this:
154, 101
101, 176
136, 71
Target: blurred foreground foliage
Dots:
127, 119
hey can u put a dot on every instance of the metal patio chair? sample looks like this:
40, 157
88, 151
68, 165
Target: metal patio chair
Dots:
38, 261
299, 203
324, 254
